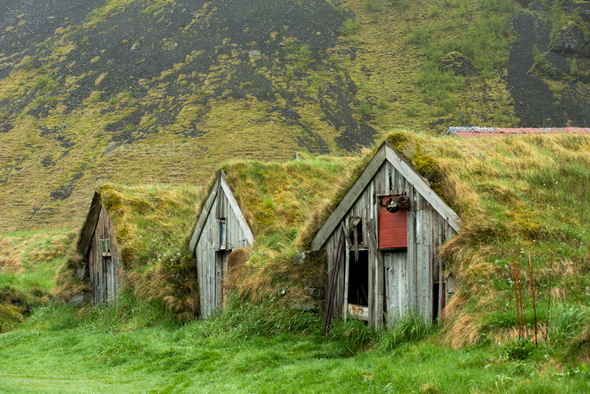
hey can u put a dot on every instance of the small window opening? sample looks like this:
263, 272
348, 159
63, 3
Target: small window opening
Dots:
358, 280
223, 233
435, 296
390, 182
358, 230
105, 246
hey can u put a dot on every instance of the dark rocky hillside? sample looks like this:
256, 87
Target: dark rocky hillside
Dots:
161, 91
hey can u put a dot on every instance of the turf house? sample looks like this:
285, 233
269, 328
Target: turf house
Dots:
382, 244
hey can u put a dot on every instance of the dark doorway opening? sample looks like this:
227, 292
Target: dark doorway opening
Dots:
358, 279
435, 296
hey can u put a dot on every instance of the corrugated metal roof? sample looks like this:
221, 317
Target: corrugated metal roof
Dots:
468, 132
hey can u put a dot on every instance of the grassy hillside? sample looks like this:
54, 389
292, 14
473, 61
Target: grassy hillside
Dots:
505, 189
162, 91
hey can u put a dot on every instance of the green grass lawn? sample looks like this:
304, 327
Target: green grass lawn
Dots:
115, 350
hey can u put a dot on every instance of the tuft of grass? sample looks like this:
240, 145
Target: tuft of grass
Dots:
567, 321
95, 97
49, 100
410, 327
83, 42
541, 62
27, 64
350, 26
364, 110
574, 67
44, 82
372, 6
300, 56
290, 74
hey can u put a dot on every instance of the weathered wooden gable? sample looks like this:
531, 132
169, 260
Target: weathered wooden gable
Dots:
399, 280
98, 245
212, 247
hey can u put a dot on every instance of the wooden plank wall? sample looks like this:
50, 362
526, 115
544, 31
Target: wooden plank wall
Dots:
210, 277
408, 275
104, 272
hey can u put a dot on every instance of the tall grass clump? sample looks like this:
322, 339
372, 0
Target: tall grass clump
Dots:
350, 26
566, 321
409, 328
354, 334
127, 313
300, 56
44, 82
241, 320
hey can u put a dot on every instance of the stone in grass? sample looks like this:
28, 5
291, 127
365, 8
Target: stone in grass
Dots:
572, 40
254, 52
299, 258
171, 46
81, 299
81, 273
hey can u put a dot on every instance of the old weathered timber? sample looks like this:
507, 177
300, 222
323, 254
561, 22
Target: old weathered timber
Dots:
221, 228
390, 281
98, 245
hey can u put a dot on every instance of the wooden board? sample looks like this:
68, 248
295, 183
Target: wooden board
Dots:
357, 311
104, 272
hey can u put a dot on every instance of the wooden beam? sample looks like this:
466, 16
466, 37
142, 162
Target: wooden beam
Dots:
346, 269
421, 186
90, 224
347, 202
204, 213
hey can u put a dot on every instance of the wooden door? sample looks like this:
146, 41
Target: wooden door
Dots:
397, 300
221, 258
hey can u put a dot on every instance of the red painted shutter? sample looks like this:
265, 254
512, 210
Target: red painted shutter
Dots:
393, 228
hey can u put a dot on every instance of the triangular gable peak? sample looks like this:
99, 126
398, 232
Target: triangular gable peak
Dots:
220, 186
97, 243
90, 224
385, 153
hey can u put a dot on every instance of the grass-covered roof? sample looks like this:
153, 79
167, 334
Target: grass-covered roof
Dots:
150, 226
277, 199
